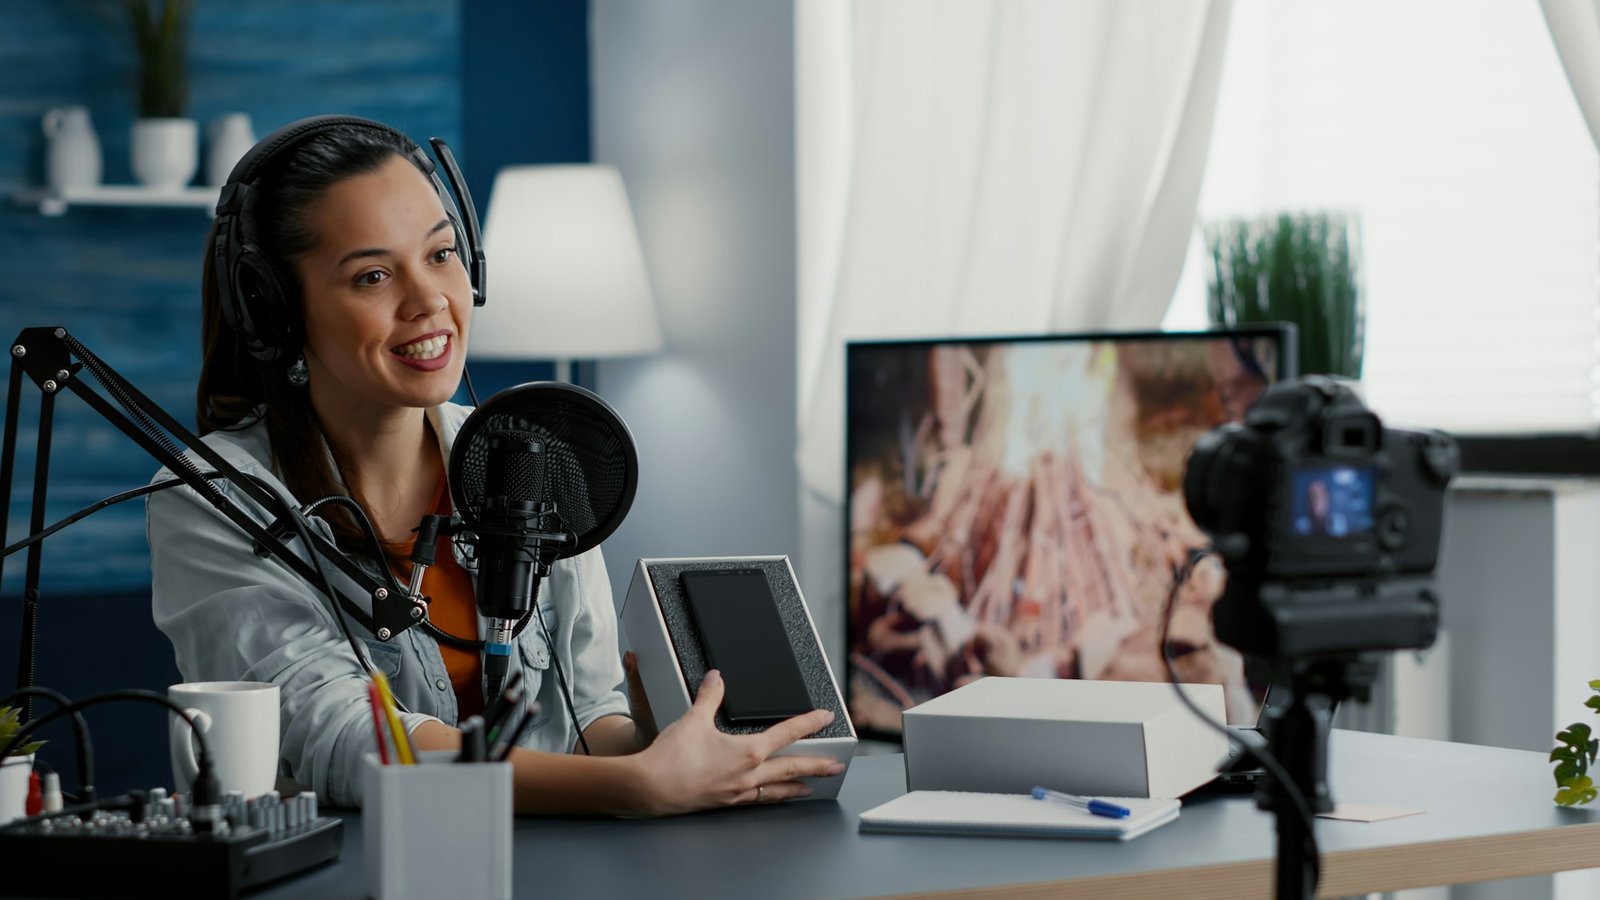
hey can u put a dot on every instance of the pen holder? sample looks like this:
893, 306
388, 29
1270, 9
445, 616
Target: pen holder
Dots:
438, 828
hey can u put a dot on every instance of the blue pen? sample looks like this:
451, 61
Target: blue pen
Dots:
1096, 807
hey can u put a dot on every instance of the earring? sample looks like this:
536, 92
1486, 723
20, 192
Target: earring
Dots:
299, 375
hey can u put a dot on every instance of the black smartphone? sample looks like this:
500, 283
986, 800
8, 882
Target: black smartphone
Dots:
744, 637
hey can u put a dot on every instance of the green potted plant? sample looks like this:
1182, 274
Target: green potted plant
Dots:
15, 767
1293, 267
1576, 751
165, 150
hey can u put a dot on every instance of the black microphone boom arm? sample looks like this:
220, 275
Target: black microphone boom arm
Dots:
54, 360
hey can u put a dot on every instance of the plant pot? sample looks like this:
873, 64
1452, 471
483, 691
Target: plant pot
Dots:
166, 152
14, 772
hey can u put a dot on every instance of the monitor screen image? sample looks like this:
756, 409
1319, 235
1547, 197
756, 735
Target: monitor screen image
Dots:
1015, 507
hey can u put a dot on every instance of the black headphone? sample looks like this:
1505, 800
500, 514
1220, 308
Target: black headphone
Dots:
254, 291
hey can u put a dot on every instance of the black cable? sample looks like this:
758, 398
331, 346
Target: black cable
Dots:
98, 505
23, 733
1261, 755
299, 524
376, 546
295, 521
205, 794
561, 678
467, 376
79, 726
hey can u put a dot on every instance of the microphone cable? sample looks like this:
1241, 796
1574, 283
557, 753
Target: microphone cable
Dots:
375, 547
1260, 754
298, 522
561, 678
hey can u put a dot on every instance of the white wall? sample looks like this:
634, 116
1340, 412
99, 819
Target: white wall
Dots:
1518, 583
694, 103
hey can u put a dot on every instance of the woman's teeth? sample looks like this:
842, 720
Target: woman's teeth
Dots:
425, 349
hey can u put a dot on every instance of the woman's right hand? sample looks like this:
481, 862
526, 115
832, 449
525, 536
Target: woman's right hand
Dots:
693, 765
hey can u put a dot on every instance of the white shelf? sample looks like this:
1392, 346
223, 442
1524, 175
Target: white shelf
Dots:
51, 202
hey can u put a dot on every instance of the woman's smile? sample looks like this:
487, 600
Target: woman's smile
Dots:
428, 354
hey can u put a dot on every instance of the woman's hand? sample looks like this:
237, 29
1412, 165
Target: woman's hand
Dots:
644, 720
694, 766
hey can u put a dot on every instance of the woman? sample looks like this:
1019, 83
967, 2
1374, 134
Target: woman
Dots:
379, 308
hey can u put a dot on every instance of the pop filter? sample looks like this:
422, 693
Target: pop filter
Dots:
591, 465
541, 472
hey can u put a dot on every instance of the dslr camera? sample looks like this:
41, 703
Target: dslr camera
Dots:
1328, 523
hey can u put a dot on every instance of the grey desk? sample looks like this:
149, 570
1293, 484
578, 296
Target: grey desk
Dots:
1488, 816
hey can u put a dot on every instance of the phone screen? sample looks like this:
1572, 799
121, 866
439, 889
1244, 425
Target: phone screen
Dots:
744, 637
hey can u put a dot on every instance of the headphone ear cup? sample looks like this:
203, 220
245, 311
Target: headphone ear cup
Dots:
461, 256
265, 326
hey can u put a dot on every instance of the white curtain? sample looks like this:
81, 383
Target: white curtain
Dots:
989, 168
1575, 28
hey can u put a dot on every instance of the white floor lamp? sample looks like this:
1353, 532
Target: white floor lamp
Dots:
566, 277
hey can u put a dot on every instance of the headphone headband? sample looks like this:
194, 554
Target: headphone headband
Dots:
253, 290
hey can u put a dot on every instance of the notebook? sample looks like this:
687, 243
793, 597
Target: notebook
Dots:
1015, 815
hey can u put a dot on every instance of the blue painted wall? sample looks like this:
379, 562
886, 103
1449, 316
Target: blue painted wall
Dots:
125, 281
524, 99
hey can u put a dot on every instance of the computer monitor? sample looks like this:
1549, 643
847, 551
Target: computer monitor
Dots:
1015, 507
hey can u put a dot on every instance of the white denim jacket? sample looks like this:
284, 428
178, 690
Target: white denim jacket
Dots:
234, 616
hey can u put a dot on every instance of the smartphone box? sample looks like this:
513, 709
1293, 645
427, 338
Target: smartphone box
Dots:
1111, 738
659, 627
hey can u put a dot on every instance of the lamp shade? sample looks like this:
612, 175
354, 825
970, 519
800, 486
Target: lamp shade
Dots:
566, 276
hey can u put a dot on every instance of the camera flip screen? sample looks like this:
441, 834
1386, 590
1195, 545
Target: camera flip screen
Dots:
1333, 501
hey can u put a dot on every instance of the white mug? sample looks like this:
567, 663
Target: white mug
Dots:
240, 723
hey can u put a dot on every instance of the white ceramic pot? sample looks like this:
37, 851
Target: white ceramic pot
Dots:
229, 138
166, 152
72, 150
14, 771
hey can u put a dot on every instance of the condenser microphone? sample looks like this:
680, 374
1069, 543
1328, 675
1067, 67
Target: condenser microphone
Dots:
519, 534
539, 472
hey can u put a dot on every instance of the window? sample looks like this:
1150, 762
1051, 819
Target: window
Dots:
1450, 128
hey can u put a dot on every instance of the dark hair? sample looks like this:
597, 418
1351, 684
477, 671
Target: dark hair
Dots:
236, 390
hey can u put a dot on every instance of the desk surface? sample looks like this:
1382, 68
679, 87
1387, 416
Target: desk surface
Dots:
1488, 816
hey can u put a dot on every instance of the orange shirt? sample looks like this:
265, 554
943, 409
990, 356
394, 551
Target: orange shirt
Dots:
453, 609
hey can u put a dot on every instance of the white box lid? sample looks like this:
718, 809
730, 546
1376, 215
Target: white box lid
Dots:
1060, 699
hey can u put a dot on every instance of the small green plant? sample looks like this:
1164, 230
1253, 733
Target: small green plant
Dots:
10, 721
1573, 758
160, 30
1292, 267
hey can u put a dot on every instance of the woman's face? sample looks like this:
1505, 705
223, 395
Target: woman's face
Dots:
387, 301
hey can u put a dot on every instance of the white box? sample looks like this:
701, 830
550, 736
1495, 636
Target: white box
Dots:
437, 829
1111, 738
645, 627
